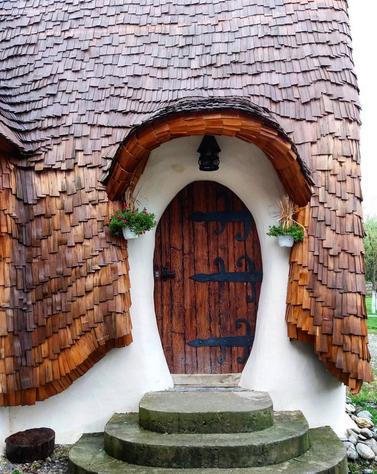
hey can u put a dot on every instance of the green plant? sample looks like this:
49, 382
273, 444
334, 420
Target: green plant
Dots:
296, 231
287, 224
358, 467
137, 221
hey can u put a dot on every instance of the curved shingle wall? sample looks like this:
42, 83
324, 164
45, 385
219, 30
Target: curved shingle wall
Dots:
77, 76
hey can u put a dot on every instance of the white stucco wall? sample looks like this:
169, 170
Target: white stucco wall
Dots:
290, 372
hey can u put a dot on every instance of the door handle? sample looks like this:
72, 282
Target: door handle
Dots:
165, 274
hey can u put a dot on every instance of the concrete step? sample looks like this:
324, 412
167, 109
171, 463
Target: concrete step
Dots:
195, 411
286, 439
326, 456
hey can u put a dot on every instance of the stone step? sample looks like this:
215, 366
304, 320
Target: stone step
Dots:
210, 411
286, 439
327, 455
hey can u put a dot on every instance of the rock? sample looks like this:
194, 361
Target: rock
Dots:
362, 438
362, 422
352, 453
364, 451
364, 414
372, 444
368, 471
366, 432
348, 400
343, 438
354, 431
6, 467
348, 444
352, 439
350, 408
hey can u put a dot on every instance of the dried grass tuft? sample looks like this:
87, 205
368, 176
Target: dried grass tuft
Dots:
287, 212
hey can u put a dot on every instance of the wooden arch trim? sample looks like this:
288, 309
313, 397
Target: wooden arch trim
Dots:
136, 149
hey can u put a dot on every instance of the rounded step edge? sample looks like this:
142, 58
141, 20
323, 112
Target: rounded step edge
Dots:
125, 440
241, 411
327, 455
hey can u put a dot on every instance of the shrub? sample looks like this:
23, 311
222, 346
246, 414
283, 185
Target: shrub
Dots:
295, 231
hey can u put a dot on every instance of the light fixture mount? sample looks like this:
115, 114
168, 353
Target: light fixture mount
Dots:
209, 149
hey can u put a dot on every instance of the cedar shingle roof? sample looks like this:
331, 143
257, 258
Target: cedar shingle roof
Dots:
76, 76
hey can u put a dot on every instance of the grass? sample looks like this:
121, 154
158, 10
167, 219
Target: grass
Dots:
372, 325
368, 300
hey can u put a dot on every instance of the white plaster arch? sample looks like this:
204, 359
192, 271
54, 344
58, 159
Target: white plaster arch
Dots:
290, 372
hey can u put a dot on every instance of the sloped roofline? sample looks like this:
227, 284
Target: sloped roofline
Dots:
228, 116
10, 139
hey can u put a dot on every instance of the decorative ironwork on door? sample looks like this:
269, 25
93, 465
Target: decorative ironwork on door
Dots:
229, 341
250, 276
223, 217
200, 307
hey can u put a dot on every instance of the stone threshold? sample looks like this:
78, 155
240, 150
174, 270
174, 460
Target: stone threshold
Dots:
206, 380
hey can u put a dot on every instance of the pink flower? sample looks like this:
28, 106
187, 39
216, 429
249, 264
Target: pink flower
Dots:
124, 221
133, 212
125, 206
141, 233
144, 232
145, 212
119, 217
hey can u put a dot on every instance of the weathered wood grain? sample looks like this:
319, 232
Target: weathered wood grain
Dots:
64, 301
74, 87
186, 309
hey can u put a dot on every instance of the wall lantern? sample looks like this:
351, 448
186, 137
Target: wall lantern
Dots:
209, 149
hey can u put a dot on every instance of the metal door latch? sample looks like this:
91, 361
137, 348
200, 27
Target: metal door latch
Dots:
165, 274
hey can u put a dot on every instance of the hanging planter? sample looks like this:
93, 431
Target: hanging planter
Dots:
130, 221
286, 241
288, 231
129, 234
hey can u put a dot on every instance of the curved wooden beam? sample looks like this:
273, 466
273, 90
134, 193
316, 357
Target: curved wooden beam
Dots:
279, 150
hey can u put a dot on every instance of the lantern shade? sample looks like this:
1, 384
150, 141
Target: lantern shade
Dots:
208, 158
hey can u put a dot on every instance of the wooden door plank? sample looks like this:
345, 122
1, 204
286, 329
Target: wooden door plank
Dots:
188, 310
176, 283
166, 290
237, 305
213, 287
201, 266
225, 240
191, 366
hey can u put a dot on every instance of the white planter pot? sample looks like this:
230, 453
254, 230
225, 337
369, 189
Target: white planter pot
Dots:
128, 234
285, 241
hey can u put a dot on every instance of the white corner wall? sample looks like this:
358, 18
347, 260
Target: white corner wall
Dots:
290, 372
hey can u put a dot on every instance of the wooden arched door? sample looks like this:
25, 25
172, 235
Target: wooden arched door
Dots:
206, 312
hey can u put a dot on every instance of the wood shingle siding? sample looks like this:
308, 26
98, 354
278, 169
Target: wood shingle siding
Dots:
77, 78
64, 286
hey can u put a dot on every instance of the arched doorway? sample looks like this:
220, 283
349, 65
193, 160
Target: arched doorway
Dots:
206, 312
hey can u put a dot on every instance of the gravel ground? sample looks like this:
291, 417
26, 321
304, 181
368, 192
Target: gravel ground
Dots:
58, 462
